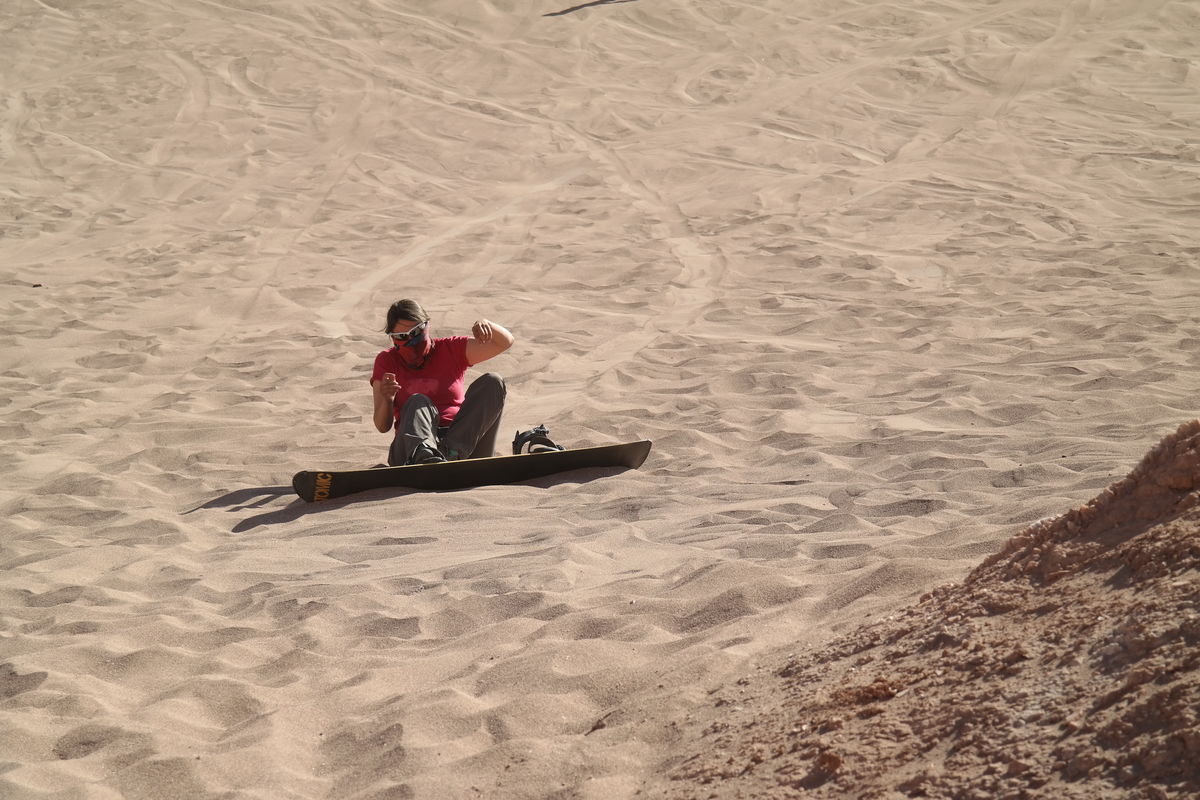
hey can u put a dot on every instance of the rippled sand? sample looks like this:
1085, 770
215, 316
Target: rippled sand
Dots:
886, 284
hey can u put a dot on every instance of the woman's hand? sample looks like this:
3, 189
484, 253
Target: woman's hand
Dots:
483, 330
389, 386
383, 393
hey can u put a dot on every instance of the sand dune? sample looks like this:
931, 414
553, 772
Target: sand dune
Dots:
885, 284
1063, 666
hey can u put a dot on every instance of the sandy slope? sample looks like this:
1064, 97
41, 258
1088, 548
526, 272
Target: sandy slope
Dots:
884, 283
1064, 666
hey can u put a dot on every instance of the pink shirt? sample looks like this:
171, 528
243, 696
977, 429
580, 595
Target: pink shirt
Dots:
441, 379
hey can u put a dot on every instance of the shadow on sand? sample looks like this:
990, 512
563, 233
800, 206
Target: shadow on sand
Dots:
582, 6
254, 498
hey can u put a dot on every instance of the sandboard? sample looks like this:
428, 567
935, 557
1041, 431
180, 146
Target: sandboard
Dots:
326, 485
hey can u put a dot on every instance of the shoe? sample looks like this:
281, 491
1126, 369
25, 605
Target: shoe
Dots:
424, 454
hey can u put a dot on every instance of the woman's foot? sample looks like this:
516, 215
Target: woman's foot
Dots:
424, 454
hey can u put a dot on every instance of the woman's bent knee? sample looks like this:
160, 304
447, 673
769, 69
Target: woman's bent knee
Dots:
492, 380
417, 400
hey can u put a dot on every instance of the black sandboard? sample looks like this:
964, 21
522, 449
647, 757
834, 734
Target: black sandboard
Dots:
326, 485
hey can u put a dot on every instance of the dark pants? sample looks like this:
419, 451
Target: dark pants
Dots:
472, 434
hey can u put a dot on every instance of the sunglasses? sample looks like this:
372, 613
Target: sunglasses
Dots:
411, 333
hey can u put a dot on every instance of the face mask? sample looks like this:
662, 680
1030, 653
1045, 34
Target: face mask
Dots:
414, 351
418, 343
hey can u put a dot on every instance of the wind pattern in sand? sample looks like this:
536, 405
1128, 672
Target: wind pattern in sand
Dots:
884, 283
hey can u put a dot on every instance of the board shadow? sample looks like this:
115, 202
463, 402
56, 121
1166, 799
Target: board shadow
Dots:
243, 499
